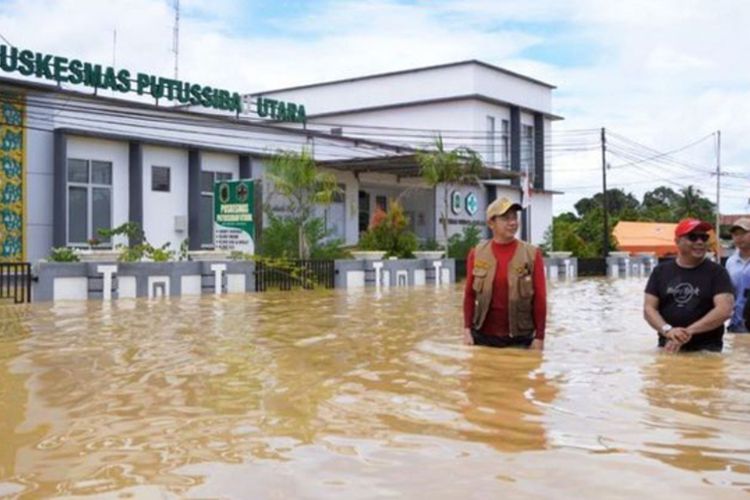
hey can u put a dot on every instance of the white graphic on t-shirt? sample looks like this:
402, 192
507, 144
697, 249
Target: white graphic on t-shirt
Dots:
683, 292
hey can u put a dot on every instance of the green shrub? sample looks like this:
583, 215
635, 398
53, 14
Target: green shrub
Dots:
280, 239
63, 254
460, 244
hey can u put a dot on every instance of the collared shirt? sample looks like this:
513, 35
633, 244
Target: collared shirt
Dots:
739, 270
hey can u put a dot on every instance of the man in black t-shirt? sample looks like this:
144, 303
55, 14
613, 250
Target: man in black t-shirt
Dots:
688, 299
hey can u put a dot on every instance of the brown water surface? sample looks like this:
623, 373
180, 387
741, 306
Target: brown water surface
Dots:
363, 395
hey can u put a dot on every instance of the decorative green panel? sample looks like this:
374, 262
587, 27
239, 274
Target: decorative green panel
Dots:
12, 202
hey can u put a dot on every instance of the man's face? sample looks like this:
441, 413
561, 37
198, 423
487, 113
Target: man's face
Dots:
741, 239
693, 245
504, 226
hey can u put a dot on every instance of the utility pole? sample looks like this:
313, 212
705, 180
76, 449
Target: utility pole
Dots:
718, 182
605, 204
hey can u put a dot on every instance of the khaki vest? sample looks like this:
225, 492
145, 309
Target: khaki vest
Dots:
520, 287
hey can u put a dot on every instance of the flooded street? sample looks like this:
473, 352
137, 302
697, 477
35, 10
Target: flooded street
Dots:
363, 395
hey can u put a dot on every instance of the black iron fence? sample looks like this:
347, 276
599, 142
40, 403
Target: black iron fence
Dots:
15, 282
289, 274
594, 266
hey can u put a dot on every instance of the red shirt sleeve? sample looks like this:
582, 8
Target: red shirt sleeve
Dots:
540, 297
469, 293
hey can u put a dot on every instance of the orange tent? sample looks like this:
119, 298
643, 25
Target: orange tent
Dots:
657, 237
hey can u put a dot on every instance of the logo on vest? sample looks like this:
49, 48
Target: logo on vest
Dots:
683, 293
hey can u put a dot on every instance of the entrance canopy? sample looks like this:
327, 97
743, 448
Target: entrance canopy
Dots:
404, 166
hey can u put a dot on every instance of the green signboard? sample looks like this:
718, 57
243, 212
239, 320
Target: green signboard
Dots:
74, 71
234, 228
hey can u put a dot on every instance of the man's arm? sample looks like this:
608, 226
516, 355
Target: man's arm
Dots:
722, 311
653, 317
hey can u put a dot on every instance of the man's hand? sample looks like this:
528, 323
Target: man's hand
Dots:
537, 345
468, 339
672, 347
679, 335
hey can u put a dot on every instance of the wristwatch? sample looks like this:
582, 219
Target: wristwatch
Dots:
665, 329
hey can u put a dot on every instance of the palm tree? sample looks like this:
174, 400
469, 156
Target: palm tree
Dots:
296, 177
461, 165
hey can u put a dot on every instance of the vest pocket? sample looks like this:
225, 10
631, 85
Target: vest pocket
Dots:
525, 286
480, 276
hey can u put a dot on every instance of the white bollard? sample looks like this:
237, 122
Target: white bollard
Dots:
378, 267
107, 271
218, 270
438, 275
554, 272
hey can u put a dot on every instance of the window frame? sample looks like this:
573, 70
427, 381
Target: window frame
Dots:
169, 179
89, 186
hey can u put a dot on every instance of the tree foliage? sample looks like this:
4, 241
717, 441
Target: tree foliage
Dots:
297, 179
439, 166
581, 232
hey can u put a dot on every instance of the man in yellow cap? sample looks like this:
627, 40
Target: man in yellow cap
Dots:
505, 299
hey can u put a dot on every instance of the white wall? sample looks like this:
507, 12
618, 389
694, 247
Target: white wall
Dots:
117, 152
39, 165
161, 208
541, 216
437, 83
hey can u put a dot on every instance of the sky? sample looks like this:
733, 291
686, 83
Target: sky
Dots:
659, 74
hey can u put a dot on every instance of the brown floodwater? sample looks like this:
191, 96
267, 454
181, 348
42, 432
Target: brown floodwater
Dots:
363, 395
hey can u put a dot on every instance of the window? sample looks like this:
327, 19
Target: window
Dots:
491, 139
207, 204
527, 147
89, 200
334, 215
505, 143
160, 179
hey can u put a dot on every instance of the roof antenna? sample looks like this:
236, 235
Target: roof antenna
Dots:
176, 38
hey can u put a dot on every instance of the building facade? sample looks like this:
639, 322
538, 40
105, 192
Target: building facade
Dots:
75, 161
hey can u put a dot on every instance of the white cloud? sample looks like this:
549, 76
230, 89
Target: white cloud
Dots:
663, 73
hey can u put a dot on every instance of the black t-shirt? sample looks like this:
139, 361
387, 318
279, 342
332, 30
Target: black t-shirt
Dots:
686, 295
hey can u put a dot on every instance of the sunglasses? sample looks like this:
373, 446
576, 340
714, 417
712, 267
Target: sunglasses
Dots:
697, 237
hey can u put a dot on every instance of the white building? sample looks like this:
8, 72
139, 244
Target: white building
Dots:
503, 116
73, 161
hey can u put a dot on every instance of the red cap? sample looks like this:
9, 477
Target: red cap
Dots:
687, 226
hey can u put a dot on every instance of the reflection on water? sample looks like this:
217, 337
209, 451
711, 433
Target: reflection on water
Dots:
362, 395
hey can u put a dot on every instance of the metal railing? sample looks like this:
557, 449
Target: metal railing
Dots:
289, 274
15, 282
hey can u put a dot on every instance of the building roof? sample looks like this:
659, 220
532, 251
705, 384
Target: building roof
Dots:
655, 237
729, 219
407, 71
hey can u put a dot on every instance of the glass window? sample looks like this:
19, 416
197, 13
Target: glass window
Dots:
101, 173
207, 182
160, 179
223, 176
77, 214
78, 171
101, 211
491, 139
207, 214
505, 143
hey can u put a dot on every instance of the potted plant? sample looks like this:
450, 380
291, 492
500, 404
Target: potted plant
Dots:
387, 236
429, 249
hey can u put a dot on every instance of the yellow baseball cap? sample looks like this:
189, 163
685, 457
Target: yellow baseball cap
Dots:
500, 206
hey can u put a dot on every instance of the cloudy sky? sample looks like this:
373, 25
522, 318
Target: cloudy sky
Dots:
660, 74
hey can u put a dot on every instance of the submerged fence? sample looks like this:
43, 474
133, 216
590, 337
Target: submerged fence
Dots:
15, 282
290, 274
